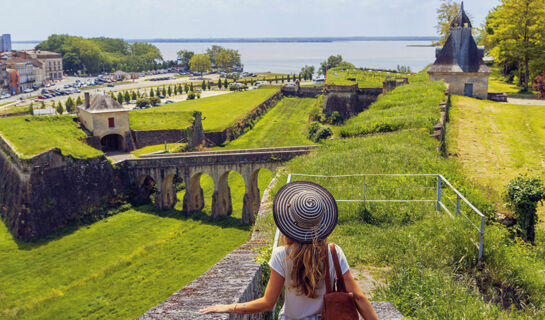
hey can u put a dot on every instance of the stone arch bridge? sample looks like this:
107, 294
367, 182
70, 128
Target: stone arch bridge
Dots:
163, 168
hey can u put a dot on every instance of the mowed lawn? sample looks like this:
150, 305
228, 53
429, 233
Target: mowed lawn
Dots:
220, 111
364, 78
32, 135
284, 125
120, 267
496, 142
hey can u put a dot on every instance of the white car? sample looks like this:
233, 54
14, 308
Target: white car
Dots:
28, 90
5, 96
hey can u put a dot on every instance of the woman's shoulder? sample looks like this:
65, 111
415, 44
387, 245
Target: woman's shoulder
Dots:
279, 251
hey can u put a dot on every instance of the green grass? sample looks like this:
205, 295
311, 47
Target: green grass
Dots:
431, 257
171, 147
496, 142
498, 83
154, 119
33, 135
119, 267
284, 125
220, 111
415, 105
364, 79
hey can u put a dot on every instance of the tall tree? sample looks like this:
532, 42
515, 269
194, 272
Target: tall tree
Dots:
518, 33
331, 62
127, 97
448, 10
200, 63
120, 97
59, 108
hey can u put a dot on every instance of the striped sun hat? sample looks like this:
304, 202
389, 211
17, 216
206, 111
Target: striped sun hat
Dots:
305, 211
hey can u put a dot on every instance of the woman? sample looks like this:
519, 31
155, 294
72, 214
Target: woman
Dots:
306, 214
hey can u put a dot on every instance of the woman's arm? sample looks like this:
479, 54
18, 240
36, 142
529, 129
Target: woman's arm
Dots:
364, 307
274, 288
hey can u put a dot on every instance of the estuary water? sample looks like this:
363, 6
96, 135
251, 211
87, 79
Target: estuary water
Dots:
290, 57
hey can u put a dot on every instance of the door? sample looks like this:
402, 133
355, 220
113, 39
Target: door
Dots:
468, 90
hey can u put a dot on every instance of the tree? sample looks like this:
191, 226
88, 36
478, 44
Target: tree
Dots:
157, 92
225, 83
134, 96
200, 63
447, 11
59, 108
518, 30
276, 79
169, 90
307, 72
224, 58
120, 97
31, 109
185, 56
208, 86
69, 104
164, 92
186, 88
151, 93
523, 194
203, 85
331, 62
127, 97
42, 105
191, 87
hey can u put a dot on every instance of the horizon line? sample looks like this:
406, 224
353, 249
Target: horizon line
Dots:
271, 39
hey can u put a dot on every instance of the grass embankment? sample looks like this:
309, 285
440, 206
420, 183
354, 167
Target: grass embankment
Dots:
33, 135
119, 267
415, 105
428, 258
496, 142
220, 111
171, 147
364, 78
284, 125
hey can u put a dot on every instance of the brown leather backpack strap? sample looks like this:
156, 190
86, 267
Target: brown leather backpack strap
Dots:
327, 277
340, 280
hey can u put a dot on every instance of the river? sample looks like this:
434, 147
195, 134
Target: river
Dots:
289, 57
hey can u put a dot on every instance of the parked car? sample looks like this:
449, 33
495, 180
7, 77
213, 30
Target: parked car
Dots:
42, 97
28, 90
111, 85
168, 101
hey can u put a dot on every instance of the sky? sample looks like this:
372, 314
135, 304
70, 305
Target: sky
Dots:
147, 19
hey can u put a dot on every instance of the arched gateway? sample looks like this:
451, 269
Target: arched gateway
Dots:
163, 170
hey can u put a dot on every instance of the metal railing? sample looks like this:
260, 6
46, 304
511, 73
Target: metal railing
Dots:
443, 189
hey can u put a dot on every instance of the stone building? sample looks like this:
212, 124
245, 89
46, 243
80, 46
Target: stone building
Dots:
460, 62
52, 63
107, 121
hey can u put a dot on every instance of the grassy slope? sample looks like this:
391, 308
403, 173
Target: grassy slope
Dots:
158, 118
33, 135
496, 142
119, 267
364, 79
284, 125
415, 105
220, 111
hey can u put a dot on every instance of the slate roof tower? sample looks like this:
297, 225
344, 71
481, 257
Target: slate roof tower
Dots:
460, 62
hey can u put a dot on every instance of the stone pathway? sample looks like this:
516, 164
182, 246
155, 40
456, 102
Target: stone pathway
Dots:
120, 156
528, 102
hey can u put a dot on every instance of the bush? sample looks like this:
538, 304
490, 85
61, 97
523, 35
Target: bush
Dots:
334, 118
191, 95
318, 132
523, 194
154, 100
142, 102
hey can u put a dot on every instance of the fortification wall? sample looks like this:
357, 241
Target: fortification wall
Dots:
45, 193
348, 101
155, 137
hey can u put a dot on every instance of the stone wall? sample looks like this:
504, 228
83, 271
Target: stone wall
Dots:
456, 82
302, 92
155, 137
348, 101
42, 194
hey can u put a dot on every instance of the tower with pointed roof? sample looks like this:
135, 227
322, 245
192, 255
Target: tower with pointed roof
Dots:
460, 62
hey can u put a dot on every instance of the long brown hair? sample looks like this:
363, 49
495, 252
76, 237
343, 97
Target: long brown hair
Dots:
307, 270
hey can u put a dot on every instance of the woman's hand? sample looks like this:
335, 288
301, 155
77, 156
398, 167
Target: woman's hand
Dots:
219, 308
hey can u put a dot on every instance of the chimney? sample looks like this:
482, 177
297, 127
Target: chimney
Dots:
87, 100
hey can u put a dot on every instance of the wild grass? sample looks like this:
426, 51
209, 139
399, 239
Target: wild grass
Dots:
496, 142
433, 259
284, 125
364, 78
415, 105
33, 135
119, 267
220, 111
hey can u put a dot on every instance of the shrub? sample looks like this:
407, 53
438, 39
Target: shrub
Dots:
334, 118
318, 132
191, 95
539, 85
154, 100
523, 194
142, 102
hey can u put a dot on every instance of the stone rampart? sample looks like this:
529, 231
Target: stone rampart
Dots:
154, 137
349, 100
302, 91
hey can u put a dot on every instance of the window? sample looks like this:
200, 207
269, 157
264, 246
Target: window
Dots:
111, 123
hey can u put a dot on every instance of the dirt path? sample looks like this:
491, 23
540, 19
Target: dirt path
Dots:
527, 102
